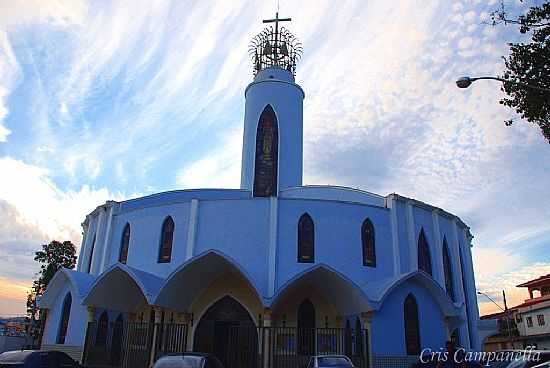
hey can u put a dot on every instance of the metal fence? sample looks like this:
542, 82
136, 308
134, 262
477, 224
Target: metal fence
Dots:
129, 345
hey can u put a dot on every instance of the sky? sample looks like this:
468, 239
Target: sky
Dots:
115, 99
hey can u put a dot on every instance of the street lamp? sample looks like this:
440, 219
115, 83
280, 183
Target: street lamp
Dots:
465, 82
505, 310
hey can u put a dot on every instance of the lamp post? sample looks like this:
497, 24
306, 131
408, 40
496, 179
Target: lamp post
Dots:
465, 82
505, 310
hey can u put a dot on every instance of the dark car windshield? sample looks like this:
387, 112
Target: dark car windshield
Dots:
333, 362
14, 356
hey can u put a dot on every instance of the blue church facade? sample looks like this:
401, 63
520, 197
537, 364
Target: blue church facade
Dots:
272, 254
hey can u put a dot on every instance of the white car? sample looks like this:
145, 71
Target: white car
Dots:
329, 361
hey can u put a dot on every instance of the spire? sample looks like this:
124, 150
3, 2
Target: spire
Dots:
275, 47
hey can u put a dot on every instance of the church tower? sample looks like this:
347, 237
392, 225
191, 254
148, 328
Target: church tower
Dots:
273, 121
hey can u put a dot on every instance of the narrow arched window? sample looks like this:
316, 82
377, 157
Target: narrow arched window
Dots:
166, 238
102, 329
91, 257
64, 320
266, 158
306, 239
306, 328
448, 270
424, 257
367, 238
412, 326
124, 244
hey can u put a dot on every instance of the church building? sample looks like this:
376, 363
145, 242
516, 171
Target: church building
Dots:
269, 274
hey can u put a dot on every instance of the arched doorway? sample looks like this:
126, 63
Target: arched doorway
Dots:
227, 331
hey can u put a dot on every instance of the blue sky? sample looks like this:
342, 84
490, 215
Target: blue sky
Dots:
111, 100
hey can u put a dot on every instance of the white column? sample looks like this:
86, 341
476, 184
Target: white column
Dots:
273, 221
192, 228
473, 311
413, 247
459, 287
107, 243
395, 235
82, 252
98, 247
158, 313
438, 253
367, 323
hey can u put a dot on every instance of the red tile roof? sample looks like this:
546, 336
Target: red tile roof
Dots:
543, 280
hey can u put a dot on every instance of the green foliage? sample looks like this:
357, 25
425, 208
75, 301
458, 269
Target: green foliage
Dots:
529, 63
52, 257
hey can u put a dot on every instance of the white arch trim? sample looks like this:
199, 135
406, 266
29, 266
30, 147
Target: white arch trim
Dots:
347, 296
105, 292
195, 275
79, 282
443, 300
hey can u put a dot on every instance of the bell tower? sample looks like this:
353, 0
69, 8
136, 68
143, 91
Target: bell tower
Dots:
272, 158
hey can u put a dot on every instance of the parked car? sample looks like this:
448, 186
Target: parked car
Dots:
332, 361
188, 360
36, 359
544, 358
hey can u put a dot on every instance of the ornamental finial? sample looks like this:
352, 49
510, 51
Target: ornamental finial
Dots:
275, 47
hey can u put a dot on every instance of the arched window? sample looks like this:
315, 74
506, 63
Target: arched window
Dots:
412, 328
64, 320
448, 270
102, 329
455, 337
424, 258
367, 238
306, 239
167, 235
91, 256
124, 244
266, 158
306, 328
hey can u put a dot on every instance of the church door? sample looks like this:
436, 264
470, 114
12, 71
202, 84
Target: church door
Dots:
227, 331
306, 328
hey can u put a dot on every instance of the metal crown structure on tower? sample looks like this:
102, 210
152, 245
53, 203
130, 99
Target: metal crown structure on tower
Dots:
275, 47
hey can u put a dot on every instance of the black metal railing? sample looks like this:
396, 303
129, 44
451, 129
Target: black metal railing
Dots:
129, 345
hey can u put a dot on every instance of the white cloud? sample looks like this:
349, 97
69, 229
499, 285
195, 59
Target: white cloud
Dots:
42, 205
219, 169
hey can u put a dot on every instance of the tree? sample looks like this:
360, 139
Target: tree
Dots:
528, 63
52, 257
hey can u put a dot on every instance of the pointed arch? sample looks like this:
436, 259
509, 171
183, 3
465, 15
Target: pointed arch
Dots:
306, 239
306, 327
448, 270
412, 325
267, 154
124, 244
347, 296
102, 329
166, 240
368, 242
123, 288
424, 257
191, 278
91, 256
64, 320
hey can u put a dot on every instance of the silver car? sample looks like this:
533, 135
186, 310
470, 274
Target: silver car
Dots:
329, 361
188, 360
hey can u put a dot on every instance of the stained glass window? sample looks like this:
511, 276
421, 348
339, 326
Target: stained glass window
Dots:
167, 236
448, 270
367, 238
424, 258
306, 239
265, 167
124, 244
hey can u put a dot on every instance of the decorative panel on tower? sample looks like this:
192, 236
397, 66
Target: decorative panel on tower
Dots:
266, 159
